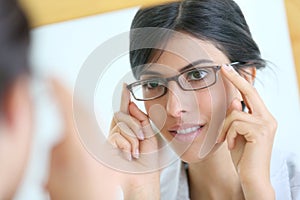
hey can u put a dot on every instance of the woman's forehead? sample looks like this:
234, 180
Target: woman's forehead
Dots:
166, 61
177, 64
180, 51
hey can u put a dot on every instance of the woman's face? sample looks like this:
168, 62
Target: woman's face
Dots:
190, 120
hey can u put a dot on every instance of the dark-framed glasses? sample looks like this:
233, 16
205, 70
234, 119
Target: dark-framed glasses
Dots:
195, 78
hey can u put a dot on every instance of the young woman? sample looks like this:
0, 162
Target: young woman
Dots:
195, 62
15, 101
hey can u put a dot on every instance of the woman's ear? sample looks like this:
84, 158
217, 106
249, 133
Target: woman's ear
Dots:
248, 73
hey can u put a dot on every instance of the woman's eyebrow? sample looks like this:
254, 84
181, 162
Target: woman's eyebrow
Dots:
149, 72
197, 62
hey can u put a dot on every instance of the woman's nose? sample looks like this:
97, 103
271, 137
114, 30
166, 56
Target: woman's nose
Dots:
175, 100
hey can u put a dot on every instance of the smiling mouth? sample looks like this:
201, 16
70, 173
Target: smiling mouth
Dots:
186, 130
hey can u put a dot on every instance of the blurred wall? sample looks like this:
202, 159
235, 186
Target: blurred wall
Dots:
293, 16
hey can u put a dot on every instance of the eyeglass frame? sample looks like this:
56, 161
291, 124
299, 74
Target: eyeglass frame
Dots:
175, 78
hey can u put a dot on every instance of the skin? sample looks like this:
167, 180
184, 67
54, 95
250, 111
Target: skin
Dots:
15, 136
76, 174
143, 185
237, 162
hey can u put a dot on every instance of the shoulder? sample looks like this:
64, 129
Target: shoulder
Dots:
285, 174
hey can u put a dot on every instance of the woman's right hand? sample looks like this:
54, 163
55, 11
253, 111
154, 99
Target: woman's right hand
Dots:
132, 134
130, 130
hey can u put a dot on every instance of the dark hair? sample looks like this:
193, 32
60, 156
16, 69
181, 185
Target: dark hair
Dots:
218, 21
14, 43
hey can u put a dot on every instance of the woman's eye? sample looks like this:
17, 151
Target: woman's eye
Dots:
197, 74
151, 84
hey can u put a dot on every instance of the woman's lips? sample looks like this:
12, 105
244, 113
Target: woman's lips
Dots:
186, 133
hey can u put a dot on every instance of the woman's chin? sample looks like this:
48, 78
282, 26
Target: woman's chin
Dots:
193, 154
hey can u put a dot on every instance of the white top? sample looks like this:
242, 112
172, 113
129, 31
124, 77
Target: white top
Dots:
285, 178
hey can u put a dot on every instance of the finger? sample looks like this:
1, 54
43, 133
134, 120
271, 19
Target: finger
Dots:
143, 118
240, 128
138, 114
118, 141
235, 105
236, 116
132, 122
125, 99
127, 133
251, 97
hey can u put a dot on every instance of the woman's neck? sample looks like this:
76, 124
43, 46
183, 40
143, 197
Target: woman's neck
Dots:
215, 177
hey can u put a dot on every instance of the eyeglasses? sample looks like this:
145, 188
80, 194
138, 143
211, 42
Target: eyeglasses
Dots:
196, 78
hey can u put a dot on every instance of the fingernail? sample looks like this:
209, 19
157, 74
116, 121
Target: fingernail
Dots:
141, 135
136, 153
128, 156
227, 67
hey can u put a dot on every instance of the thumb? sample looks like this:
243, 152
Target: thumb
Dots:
143, 119
138, 114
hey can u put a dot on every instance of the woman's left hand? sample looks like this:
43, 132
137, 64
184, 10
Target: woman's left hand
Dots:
250, 137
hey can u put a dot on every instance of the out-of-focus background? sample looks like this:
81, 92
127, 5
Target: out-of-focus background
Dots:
64, 33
